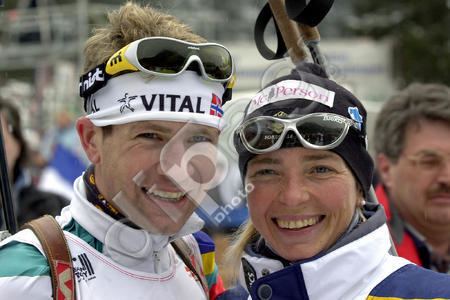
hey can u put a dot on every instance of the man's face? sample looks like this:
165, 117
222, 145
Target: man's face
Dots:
302, 200
419, 182
133, 163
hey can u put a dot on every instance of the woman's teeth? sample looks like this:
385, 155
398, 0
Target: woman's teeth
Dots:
297, 224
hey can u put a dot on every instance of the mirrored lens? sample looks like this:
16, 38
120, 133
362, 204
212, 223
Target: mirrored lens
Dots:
262, 134
170, 57
320, 130
162, 56
216, 61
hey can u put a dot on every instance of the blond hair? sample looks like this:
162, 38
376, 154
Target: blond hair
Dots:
129, 23
241, 238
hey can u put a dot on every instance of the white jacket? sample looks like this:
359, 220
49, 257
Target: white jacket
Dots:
111, 260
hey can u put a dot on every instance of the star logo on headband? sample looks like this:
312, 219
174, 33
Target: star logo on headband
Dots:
126, 100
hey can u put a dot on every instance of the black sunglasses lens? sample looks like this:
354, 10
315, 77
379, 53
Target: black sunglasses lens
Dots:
320, 131
162, 56
216, 61
262, 134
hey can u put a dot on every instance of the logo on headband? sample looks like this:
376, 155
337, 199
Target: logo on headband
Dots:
216, 106
126, 100
92, 78
170, 102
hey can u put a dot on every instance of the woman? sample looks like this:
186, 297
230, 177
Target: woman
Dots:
302, 149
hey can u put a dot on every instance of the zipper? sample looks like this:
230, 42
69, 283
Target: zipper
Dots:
156, 261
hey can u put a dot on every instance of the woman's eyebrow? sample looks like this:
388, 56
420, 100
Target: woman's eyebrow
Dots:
264, 160
318, 156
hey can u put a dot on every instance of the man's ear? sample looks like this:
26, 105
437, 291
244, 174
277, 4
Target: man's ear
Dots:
90, 137
385, 168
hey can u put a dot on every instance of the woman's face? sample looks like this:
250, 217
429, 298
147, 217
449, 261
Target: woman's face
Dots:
303, 200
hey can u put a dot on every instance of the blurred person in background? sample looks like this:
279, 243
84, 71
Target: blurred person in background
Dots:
64, 154
29, 202
412, 144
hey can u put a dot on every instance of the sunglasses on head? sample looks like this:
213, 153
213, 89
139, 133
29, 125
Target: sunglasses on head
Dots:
165, 56
322, 131
161, 56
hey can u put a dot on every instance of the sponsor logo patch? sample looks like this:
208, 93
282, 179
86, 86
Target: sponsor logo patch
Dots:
82, 268
356, 116
91, 79
169, 102
291, 89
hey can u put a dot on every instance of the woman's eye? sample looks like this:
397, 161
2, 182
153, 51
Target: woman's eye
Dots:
150, 135
321, 170
264, 172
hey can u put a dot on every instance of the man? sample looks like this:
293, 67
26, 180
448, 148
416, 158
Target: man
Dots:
154, 114
413, 154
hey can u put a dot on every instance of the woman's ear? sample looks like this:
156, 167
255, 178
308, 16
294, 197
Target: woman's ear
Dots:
90, 137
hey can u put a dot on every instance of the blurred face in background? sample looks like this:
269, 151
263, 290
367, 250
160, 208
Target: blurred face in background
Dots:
419, 182
12, 145
303, 200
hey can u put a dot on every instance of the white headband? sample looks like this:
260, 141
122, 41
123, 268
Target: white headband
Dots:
134, 97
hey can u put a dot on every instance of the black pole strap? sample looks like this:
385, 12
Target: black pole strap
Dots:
310, 12
260, 26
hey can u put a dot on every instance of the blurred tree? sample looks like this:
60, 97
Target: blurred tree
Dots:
420, 31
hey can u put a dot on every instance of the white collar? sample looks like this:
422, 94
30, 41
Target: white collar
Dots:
134, 248
349, 272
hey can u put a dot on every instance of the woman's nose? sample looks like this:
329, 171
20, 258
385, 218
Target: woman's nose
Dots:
295, 191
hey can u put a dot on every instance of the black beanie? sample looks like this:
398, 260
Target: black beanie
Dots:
307, 90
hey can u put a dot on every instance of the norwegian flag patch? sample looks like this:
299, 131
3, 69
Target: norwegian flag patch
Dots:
216, 106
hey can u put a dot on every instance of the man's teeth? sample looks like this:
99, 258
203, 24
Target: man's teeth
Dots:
169, 196
290, 224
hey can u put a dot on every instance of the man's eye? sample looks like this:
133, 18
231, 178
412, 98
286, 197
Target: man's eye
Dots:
429, 161
200, 139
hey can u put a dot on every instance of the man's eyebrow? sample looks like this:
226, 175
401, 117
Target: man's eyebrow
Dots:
427, 152
141, 126
201, 130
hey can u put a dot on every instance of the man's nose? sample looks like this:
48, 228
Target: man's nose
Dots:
171, 156
444, 172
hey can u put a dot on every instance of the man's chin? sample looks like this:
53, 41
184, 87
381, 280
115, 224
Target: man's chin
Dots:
438, 216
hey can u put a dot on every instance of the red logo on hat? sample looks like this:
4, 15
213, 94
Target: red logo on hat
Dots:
216, 106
